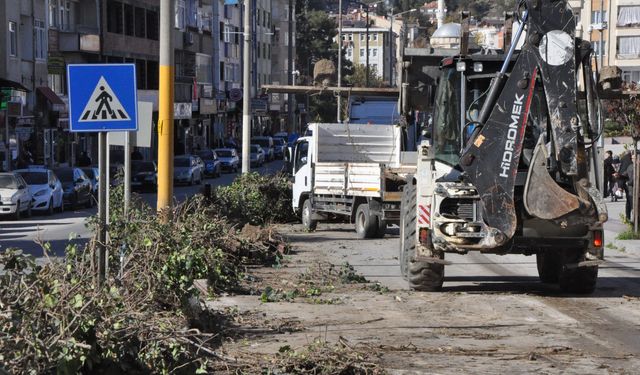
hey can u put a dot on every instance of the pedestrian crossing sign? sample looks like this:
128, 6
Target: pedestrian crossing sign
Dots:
102, 97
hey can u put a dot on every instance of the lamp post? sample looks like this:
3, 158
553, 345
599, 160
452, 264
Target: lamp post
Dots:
392, 16
246, 89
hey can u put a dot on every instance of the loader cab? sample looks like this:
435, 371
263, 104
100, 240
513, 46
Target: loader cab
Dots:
459, 96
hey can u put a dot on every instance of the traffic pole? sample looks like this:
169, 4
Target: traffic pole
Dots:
165, 107
102, 208
338, 117
246, 83
127, 172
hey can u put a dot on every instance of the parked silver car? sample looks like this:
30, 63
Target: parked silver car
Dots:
188, 169
15, 197
257, 157
228, 159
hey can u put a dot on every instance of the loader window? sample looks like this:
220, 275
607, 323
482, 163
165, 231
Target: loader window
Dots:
446, 127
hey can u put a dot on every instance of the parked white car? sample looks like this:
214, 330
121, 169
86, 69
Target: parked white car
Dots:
15, 197
257, 156
45, 189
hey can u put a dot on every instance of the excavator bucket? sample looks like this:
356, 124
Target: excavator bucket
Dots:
543, 198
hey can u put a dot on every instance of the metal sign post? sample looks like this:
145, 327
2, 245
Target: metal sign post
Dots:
102, 207
102, 98
127, 172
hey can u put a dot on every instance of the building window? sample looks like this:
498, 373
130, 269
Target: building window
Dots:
598, 16
222, 71
53, 14
630, 76
65, 10
361, 52
629, 16
181, 13
41, 40
128, 20
374, 52
55, 83
349, 52
596, 48
140, 23
362, 37
375, 36
153, 30
114, 17
350, 37
628, 47
13, 39
227, 34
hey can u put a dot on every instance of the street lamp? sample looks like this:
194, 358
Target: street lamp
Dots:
392, 16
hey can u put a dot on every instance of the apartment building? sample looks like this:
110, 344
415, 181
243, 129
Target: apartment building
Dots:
23, 70
618, 22
354, 41
228, 16
283, 65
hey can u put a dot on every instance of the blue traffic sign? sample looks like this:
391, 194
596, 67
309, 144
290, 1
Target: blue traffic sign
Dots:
102, 97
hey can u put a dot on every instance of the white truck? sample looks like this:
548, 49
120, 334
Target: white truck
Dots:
350, 172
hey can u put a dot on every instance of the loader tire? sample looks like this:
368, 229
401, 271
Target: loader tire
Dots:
366, 222
581, 280
421, 276
307, 216
549, 266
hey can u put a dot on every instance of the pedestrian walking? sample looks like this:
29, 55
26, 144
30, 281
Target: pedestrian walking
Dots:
608, 173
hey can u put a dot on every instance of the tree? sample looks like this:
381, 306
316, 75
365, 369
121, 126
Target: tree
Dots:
625, 112
359, 77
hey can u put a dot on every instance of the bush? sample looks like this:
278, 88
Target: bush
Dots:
55, 319
256, 199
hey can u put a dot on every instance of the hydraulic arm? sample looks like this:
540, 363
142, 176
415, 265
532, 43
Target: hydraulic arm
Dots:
545, 66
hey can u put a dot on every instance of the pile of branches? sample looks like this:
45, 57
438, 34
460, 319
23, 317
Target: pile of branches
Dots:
256, 199
56, 318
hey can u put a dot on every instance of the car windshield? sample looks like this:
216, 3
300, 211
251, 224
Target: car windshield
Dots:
224, 153
254, 149
35, 178
8, 182
182, 162
264, 143
90, 172
143, 166
446, 132
279, 141
206, 155
65, 175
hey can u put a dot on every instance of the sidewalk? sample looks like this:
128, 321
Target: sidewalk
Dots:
615, 226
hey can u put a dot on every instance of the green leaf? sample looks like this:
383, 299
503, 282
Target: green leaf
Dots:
77, 301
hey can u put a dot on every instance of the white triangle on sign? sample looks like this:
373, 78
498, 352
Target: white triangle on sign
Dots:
103, 105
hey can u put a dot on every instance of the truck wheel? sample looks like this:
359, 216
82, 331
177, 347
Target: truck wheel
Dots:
307, 221
422, 276
580, 280
549, 266
381, 229
366, 223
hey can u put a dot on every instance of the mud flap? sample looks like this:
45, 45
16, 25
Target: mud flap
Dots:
543, 198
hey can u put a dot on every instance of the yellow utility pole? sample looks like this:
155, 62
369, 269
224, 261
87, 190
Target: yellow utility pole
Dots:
165, 107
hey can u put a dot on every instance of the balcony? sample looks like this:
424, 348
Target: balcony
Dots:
85, 39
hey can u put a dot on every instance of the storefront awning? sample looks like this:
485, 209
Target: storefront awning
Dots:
12, 84
57, 105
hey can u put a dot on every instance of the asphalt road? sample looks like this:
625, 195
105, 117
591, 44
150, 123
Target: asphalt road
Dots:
61, 228
493, 315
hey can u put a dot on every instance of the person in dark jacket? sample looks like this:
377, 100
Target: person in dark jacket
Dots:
608, 173
625, 175
84, 160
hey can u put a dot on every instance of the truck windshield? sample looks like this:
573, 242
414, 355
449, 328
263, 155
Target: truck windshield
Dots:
446, 127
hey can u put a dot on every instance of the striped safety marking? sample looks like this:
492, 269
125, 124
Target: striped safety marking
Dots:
424, 214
